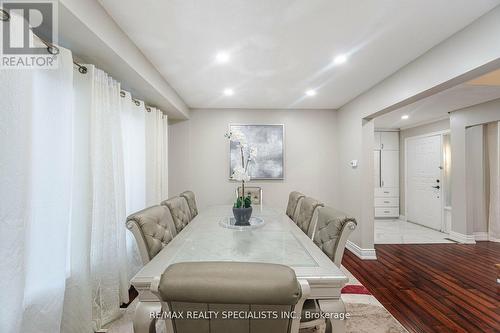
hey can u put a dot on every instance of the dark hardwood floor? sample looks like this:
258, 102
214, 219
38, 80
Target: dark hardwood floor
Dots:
435, 287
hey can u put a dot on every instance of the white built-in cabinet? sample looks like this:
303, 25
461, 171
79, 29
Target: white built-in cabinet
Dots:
386, 173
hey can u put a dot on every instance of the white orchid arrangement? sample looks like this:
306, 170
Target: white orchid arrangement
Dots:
240, 173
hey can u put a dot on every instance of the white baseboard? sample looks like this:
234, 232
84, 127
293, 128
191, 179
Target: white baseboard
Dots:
365, 254
484, 236
481, 236
462, 238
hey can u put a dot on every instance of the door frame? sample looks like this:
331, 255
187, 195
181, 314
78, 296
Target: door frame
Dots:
443, 193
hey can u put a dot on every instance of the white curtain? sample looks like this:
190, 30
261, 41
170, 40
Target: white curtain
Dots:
108, 260
75, 159
133, 118
77, 315
156, 157
134, 142
493, 143
36, 109
98, 282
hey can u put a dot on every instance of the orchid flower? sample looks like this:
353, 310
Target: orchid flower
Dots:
240, 173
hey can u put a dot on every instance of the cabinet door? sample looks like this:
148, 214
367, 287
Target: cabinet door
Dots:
389, 140
376, 168
377, 144
389, 166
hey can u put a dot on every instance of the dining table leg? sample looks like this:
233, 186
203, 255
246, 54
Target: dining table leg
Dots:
332, 307
144, 321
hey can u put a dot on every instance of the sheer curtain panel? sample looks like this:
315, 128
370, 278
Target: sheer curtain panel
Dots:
75, 158
36, 109
133, 117
98, 278
108, 252
156, 157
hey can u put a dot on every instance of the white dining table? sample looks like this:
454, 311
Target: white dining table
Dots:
278, 241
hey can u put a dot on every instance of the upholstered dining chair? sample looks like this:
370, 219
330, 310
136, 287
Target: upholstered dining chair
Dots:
153, 229
307, 213
179, 209
293, 200
191, 200
331, 233
229, 287
254, 192
332, 230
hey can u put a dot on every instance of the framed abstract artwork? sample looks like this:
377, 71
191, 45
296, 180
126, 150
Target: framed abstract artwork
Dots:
269, 140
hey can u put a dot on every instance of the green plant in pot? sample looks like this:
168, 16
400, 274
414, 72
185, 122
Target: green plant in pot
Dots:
242, 208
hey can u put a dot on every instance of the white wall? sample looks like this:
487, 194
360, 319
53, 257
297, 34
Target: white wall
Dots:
467, 54
199, 155
437, 126
94, 37
475, 167
460, 120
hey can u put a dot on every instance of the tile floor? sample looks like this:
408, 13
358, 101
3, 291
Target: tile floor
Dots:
397, 231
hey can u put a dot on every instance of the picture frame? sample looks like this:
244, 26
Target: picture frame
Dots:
269, 140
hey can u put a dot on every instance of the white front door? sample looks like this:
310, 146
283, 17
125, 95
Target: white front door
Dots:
424, 183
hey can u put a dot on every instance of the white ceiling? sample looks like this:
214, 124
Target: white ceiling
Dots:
437, 106
281, 48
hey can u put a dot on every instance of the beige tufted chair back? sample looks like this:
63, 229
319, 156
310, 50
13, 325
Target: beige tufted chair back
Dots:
179, 209
254, 192
293, 200
191, 200
153, 230
229, 287
332, 231
307, 211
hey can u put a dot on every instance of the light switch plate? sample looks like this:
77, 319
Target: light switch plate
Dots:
354, 164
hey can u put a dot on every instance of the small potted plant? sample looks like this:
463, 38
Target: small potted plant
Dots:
242, 208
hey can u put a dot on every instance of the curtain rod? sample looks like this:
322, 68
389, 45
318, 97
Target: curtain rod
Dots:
5, 15
137, 102
52, 49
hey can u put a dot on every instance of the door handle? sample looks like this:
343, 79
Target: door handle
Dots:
438, 187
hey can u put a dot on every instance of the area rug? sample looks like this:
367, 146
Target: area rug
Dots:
369, 318
355, 289
367, 315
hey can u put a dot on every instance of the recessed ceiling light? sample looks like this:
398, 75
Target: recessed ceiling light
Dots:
340, 59
228, 92
404, 117
311, 92
222, 57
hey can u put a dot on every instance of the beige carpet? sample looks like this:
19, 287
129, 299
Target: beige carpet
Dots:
367, 315
367, 318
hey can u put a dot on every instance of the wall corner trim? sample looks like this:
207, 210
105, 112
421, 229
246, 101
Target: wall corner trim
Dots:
365, 254
462, 238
